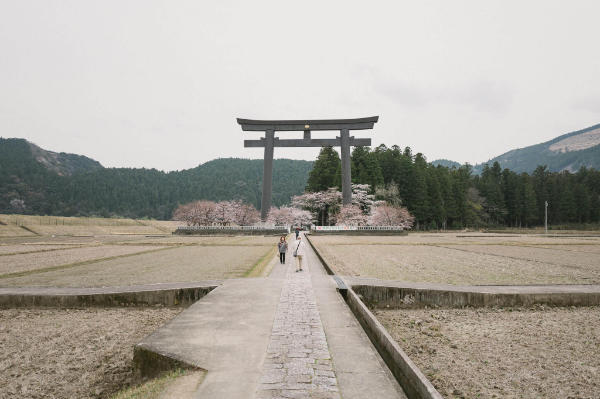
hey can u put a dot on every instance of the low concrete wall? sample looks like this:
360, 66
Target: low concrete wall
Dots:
220, 232
412, 380
328, 269
149, 363
166, 297
407, 297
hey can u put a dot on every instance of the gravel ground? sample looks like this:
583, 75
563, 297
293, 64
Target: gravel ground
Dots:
71, 353
41, 260
177, 264
503, 353
447, 259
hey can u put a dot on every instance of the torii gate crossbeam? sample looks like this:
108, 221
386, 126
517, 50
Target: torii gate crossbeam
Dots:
269, 142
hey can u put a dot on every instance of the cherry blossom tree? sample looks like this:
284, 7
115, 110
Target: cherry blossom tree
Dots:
224, 212
351, 215
207, 213
244, 214
198, 213
362, 198
289, 216
389, 215
322, 204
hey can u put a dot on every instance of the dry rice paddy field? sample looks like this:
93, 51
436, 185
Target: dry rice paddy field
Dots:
72, 353
462, 259
536, 352
100, 261
87, 353
539, 352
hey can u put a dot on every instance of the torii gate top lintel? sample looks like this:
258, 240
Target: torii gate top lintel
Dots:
344, 141
307, 124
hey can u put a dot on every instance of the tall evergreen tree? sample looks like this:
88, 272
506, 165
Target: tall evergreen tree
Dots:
365, 169
325, 173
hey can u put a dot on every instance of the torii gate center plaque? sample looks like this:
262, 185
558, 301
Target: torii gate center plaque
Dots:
269, 142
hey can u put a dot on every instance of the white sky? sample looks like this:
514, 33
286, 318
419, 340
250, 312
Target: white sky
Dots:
160, 83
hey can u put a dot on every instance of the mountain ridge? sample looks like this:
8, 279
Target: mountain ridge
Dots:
71, 185
526, 159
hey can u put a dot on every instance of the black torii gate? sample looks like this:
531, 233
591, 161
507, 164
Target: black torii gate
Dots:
269, 142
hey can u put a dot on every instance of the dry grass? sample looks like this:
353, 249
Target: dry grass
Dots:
452, 259
173, 264
71, 353
503, 353
176, 384
14, 249
11, 264
13, 231
57, 225
128, 260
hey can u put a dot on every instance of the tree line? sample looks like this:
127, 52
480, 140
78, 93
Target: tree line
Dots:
28, 187
437, 196
441, 197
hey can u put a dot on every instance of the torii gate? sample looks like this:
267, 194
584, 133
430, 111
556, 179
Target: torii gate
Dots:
344, 140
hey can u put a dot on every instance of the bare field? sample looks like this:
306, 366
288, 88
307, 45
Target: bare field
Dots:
72, 353
503, 353
210, 240
13, 231
455, 259
94, 230
173, 264
57, 225
42, 260
11, 249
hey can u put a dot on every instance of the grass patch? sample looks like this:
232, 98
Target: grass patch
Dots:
150, 389
259, 269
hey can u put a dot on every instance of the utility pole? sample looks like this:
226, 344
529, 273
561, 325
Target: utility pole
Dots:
546, 216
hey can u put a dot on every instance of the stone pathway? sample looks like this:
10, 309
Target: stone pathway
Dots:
298, 363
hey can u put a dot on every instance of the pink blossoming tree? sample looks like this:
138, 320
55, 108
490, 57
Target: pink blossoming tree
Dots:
389, 215
351, 215
289, 216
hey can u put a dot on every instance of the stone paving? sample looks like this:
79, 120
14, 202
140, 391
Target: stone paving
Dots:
298, 362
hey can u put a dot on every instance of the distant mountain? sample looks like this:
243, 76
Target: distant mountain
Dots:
61, 163
68, 184
569, 152
446, 163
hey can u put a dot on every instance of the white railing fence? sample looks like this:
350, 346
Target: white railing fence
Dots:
216, 227
347, 228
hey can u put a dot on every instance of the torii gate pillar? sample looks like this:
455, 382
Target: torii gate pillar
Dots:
267, 185
346, 174
269, 142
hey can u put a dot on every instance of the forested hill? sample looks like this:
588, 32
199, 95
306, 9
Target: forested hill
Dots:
570, 152
68, 184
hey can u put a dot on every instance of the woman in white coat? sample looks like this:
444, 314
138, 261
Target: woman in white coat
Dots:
299, 248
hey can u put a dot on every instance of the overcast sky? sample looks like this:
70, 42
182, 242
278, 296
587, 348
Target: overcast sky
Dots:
160, 83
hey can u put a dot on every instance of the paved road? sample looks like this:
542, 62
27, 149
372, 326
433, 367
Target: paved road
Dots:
298, 362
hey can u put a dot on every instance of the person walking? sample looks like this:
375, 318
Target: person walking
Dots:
299, 253
297, 232
282, 245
